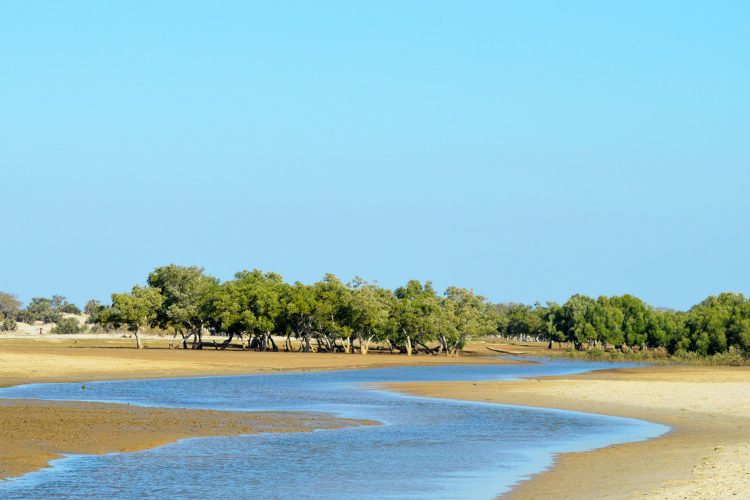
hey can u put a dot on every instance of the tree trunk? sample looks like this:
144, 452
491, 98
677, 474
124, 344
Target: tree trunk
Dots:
408, 345
138, 343
171, 342
305, 343
227, 341
273, 344
444, 345
364, 345
264, 343
427, 348
198, 338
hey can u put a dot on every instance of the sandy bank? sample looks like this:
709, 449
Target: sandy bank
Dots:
35, 432
26, 361
706, 456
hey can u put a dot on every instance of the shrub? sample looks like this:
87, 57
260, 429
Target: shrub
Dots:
67, 326
7, 323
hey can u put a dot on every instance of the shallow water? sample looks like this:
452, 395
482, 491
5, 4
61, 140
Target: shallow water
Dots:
428, 448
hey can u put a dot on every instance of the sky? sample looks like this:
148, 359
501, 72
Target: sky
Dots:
528, 150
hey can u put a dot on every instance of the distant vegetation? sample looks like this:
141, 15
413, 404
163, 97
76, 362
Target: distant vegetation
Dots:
258, 310
47, 310
716, 325
43, 309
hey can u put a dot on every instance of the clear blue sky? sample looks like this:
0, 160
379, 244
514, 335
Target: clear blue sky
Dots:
528, 150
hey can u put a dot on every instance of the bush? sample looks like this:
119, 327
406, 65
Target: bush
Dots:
70, 309
68, 326
8, 324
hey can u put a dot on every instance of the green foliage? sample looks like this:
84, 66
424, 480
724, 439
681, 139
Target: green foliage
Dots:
68, 326
136, 309
47, 310
415, 315
368, 313
250, 304
69, 308
463, 315
93, 308
9, 308
298, 312
332, 316
523, 321
187, 295
7, 323
40, 309
720, 324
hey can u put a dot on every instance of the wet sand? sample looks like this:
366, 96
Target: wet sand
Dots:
34, 432
707, 455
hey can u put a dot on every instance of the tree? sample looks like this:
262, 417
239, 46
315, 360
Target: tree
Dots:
248, 305
331, 313
576, 320
522, 322
551, 317
187, 293
607, 320
665, 328
92, 309
69, 308
40, 309
636, 319
463, 315
9, 309
717, 323
368, 313
414, 315
298, 314
47, 310
136, 309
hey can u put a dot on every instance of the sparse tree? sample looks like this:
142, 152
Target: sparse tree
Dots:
137, 309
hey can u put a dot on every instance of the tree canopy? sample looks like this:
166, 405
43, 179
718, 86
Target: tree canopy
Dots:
264, 312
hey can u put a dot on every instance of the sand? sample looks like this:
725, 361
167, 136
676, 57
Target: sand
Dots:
34, 432
24, 361
707, 455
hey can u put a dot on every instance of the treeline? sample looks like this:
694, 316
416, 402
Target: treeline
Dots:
716, 325
46, 310
329, 315
256, 309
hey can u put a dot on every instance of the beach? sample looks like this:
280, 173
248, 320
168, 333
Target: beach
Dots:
706, 455
34, 432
